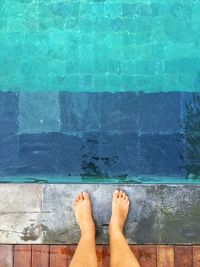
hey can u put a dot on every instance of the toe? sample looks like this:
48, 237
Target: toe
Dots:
116, 193
77, 198
85, 195
124, 195
121, 194
81, 196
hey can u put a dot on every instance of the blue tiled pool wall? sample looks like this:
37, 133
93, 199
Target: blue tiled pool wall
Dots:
63, 136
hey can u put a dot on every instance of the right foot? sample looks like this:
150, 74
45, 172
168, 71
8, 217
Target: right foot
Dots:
83, 214
120, 208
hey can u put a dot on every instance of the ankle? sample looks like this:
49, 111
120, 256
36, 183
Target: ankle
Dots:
88, 235
88, 232
115, 231
115, 226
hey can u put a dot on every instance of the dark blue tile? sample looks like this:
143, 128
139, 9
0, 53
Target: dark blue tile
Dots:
119, 112
191, 113
160, 113
192, 155
91, 165
38, 153
119, 154
8, 112
9, 148
79, 111
161, 154
70, 155
79, 155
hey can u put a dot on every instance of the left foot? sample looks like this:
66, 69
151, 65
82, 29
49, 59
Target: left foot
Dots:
83, 214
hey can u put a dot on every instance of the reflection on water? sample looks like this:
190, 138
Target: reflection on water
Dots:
95, 164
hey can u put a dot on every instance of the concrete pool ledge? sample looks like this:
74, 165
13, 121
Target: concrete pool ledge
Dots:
42, 213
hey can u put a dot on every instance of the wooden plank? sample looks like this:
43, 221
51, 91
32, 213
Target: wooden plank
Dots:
106, 256
147, 256
71, 251
6, 256
165, 256
183, 256
40, 256
22, 256
58, 256
135, 250
99, 250
196, 256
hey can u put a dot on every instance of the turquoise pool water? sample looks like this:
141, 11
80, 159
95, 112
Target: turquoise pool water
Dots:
100, 91
104, 45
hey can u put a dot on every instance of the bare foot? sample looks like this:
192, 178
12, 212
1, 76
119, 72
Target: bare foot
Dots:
83, 214
120, 208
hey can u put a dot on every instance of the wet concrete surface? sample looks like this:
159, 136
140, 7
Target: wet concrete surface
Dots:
160, 214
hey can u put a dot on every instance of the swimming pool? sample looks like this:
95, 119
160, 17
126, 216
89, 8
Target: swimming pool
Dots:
100, 91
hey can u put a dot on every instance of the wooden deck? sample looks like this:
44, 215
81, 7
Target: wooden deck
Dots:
60, 256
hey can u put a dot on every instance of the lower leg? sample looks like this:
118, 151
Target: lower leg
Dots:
85, 254
120, 252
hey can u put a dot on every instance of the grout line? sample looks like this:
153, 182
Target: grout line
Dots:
49, 255
31, 263
13, 256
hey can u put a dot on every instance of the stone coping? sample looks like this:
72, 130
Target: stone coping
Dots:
42, 213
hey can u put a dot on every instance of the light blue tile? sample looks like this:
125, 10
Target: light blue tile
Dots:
39, 112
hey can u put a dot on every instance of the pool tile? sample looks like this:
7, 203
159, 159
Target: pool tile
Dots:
119, 112
191, 113
9, 112
70, 155
161, 154
79, 112
119, 154
191, 155
91, 165
159, 113
79, 155
64, 9
39, 112
9, 145
38, 154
